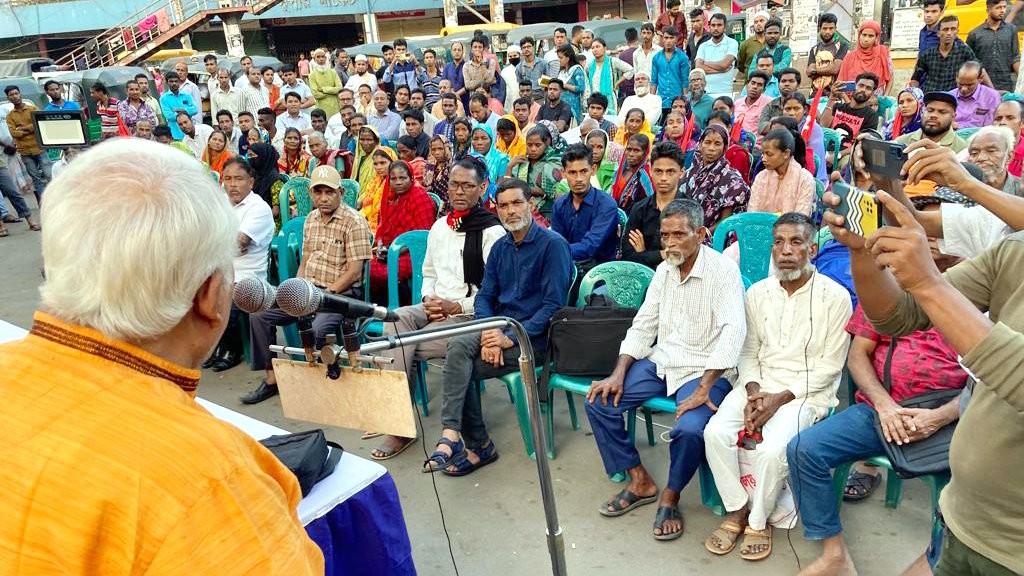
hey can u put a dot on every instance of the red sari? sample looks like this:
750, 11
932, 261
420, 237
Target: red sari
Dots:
399, 214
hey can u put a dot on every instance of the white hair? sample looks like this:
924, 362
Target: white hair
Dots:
131, 231
1004, 134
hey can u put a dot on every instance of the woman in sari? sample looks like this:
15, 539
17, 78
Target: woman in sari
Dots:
294, 161
436, 176
604, 167
216, 152
678, 130
633, 178
406, 148
712, 182
510, 139
268, 182
783, 186
462, 129
737, 135
371, 194
909, 104
540, 167
574, 81
483, 143
737, 156
635, 123
870, 55
405, 206
367, 143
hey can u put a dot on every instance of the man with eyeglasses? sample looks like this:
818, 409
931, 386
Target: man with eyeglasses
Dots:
457, 250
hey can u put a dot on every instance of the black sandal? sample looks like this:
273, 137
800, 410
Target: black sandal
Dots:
632, 500
439, 460
487, 455
860, 485
667, 513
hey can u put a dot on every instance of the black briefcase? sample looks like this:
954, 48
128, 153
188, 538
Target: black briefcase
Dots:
309, 455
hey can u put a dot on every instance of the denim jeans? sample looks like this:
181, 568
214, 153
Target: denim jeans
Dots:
843, 437
11, 192
38, 167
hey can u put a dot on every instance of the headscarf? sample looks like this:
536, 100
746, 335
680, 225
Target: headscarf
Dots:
371, 194
297, 165
362, 170
638, 186
413, 210
472, 222
545, 173
691, 133
265, 164
518, 145
216, 161
604, 176
497, 162
716, 186
622, 136
460, 153
439, 184
895, 128
875, 59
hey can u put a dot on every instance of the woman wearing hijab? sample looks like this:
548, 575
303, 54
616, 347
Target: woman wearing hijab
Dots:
405, 206
909, 103
604, 167
510, 138
269, 180
574, 81
540, 167
405, 146
435, 178
217, 152
482, 142
712, 182
370, 195
783, 186
869, 56
462, 129
633, 178
635, 123
683, 133
294, 161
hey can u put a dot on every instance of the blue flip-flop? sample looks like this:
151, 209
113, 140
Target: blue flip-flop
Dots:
463, 466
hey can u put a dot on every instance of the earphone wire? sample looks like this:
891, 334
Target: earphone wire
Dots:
807, 390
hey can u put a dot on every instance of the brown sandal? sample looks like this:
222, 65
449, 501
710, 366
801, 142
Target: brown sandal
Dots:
757, 544
727, 533
3, 232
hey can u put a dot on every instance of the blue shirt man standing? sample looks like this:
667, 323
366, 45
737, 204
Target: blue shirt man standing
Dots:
174, 101
670, 70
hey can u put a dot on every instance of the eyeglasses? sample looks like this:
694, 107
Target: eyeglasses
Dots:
466, 186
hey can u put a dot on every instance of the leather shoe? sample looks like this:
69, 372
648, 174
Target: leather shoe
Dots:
260, 394
227, 361
11, 219
212, 359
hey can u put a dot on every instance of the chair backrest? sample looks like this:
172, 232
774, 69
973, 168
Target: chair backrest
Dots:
299, 188
754, 234
623, 220
415, 242
833, 141
886, 104
625, 282
290, 253
966, 133
350, 195
437, 202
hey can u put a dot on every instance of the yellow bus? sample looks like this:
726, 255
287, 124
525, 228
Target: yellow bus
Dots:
972, 13
491, 28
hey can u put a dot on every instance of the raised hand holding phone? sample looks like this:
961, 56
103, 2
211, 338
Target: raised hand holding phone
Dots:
903, 248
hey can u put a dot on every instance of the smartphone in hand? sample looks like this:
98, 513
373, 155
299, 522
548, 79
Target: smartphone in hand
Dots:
861, 212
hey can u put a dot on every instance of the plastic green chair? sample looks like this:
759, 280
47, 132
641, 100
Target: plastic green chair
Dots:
289, 254
626, 283
833, 143
754, 234
966, 133
1012, 96
437, 202
350, 190
415, 243
623, 221
298, 187
886, 107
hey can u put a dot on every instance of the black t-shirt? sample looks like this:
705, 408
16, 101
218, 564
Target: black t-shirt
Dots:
561, 112
850, 121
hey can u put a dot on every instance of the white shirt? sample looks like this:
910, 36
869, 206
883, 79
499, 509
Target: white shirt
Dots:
197, 143
796, 342
429, 122
286, 121
442, 266
301, 89
236, 136
232, 101
967, 232
356, 80
192, 89
689, 326
256, 221
642, 60
650, 104
335, 130
508, 74
254, 98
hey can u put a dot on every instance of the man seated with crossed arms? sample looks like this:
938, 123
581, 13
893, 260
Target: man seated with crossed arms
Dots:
684, 343
789, 371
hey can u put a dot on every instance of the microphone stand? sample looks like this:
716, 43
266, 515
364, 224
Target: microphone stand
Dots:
556, 544
308, 337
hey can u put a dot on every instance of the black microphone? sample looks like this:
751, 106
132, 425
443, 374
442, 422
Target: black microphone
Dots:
299, 297
253, 295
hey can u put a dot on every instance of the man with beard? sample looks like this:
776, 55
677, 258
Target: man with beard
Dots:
975, 103
342, 65
789, 82
457, 252
826, 57
691, 362
643, 99
937, 123
323, 155
753, 45
773, 46
1009, 114
526, 278
851, 112
554, 109
324, 83
717, 57
991, 150
996, 45
789, 371
937, 67
700, 101
361, 76
338, 134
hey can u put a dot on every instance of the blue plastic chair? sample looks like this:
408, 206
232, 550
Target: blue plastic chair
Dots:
966, 133
437, 202
886, 108
415, 243
289, 254
298, 187
754, 234
350, 189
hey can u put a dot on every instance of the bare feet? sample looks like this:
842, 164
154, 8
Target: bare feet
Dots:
831, 565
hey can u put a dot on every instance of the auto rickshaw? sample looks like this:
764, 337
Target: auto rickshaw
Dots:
31, 91
75, 88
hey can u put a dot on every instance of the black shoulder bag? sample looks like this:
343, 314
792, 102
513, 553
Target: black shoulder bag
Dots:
924, 457
309, 455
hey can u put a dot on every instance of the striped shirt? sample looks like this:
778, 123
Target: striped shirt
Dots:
688, 326
330, 245
108, 118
